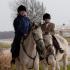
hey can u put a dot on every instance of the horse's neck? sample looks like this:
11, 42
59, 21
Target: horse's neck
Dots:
29, 44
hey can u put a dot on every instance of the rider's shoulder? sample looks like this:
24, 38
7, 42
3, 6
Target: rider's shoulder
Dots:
43, 24
51, 24
15, 20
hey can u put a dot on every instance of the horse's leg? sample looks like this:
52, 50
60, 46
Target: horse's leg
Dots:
18, 65
65, 61
57, 65
23, 67
44, 65
52, 62
36, 63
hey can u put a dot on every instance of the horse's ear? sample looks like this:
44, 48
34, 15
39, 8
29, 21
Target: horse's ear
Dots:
41, 22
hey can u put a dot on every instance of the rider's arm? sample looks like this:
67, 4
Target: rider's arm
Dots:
51, 27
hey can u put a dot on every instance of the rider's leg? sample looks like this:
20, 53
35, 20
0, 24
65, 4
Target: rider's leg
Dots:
56, 44
15, 47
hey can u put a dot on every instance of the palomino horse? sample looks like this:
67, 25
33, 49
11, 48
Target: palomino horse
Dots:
54, 60
28, 56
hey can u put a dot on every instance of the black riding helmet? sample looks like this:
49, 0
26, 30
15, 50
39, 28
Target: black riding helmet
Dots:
46, 16
21, 8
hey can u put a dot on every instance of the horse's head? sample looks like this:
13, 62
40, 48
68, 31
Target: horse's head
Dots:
37, 35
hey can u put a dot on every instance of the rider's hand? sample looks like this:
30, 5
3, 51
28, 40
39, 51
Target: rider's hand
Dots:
25, 34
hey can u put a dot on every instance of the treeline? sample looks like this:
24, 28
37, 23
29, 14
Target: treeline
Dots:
7, 35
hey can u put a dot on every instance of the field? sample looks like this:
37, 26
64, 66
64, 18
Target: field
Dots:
7, 45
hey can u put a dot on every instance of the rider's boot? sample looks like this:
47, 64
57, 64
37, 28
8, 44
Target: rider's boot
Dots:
61, 50
15, 53
13, 61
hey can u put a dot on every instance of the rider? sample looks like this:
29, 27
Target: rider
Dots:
48, 32
22, 26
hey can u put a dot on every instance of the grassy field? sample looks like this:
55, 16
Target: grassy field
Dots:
14, 67
6, 45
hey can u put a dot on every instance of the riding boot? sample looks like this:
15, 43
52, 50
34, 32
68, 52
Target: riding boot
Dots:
15, 48
56, 45
13, 61
13, 51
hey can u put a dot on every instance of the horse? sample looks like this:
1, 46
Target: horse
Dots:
28, 55
54, 60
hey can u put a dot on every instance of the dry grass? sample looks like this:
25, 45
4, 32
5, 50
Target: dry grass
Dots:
6, 45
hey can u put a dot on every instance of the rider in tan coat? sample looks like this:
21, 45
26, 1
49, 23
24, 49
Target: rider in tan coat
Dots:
48, 32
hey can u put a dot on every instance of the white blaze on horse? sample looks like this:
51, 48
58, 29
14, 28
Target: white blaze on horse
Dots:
28, 56
54, 60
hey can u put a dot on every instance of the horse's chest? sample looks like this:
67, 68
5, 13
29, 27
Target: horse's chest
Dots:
28, 62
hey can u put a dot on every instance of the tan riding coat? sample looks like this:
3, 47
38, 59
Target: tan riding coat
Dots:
48, 31
48, 28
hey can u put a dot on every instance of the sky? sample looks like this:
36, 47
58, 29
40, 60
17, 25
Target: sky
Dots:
59, 10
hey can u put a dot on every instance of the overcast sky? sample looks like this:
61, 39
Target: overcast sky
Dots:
59, 10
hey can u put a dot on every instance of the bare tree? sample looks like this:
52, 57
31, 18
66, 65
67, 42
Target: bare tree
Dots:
35, 9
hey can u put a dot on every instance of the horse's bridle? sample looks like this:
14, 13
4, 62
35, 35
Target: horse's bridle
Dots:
38, 40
